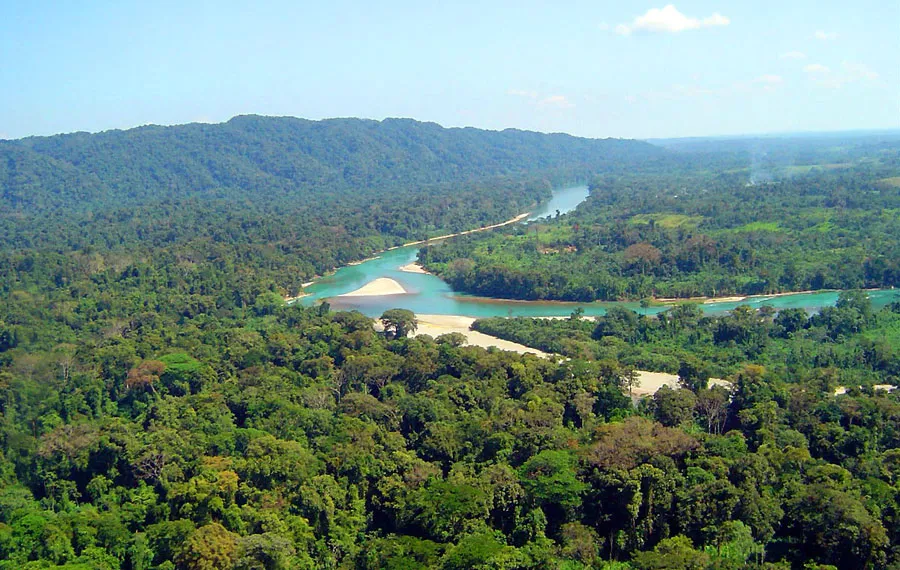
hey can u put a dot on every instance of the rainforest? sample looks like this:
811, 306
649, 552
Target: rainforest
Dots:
164, 406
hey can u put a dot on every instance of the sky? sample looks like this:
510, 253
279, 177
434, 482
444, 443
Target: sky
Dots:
635, 69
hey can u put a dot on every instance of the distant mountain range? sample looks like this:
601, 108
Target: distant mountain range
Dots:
268, 157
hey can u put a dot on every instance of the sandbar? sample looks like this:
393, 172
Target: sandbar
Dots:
518, 218
414, 267
436, 325
361, 261
726, 300
290, 299
649, 383
377, 288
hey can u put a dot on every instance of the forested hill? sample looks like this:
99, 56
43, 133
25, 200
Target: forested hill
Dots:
254, 157
282, 198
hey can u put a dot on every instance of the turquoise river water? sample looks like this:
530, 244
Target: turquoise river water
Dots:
428, 294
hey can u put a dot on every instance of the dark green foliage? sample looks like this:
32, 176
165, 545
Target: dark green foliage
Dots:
398, 323
690, 225
161, 408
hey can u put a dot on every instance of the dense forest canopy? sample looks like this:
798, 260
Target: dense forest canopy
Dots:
292, 198
745, 219
162, 408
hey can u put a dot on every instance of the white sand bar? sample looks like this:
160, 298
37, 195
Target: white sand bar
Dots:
378, 287
436, 325
413, 268
651, 382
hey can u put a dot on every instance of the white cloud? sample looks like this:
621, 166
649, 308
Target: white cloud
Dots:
691, 90
817, 68
715, 20
825, 36
680, 91
542, 101
792, 55
849, 73
859, 72
769, 79
558, 101
522, 93
669, 19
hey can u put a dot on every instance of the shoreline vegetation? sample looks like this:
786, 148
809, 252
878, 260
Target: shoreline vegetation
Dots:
436, 325
692, 236
648, 383
518, 218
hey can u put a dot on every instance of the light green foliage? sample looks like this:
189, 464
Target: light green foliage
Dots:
693, 233
162, 409
675, 553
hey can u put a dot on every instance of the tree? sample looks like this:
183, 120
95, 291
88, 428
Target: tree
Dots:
455, 339
673, 407
676, 553
210, 547
550, 480
693, 373
712, 405
580, 542
398, 323
789, 321
267, 551
642, 255
483, 550
145, 375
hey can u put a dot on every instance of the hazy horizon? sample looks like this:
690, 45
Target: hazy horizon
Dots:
729, 136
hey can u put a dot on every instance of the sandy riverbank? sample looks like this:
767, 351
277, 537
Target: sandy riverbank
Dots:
738, 298
518, 218
414, 267
436, 325
378, 287
651, 382
295, 297
361, 261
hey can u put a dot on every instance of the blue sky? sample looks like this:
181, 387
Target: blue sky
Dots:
597, 69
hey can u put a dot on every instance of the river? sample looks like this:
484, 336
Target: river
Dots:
430, 295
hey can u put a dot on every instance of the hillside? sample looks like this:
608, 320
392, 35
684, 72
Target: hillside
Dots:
283, 157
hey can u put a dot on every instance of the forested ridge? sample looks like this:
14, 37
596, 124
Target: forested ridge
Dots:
162, 408
290, 198
705, 224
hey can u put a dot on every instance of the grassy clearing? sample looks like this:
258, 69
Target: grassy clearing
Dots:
822, 228
668, 221
893, 182
805, 168
760, 227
